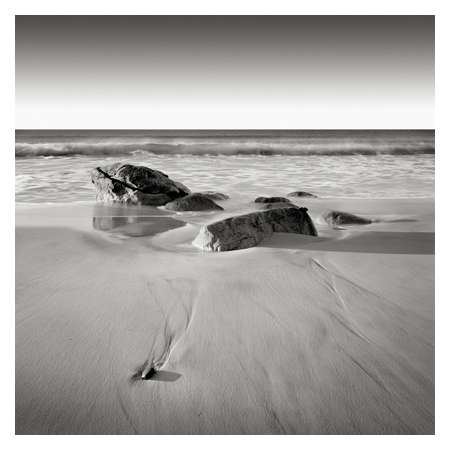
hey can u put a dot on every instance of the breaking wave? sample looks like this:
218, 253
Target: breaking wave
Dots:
335, 147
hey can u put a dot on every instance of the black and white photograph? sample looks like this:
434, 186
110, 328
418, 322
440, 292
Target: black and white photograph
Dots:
224, 224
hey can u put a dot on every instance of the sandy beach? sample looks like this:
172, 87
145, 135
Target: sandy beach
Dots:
224, 223
325, 335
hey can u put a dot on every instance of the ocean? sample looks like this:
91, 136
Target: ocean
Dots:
52, 166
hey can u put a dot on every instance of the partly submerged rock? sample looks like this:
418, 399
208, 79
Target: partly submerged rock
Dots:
249, 230
272, 200
301, 194
182, 187
213, 195
279, 205
193, 202
126, 183
336, 218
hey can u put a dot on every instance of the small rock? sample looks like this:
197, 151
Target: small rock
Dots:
193, 202
279, 205
182, 187
148, 373
335, 218
301, 194
212, 195
272, 200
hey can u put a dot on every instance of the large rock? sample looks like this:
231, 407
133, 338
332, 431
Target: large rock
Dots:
336, 218
301, 194
193, 202
272, 200
125, 183
249, 230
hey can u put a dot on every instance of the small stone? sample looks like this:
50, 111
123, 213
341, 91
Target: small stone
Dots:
272, 200
336, 218
301, 194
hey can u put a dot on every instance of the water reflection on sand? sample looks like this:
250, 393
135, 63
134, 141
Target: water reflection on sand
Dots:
133, 221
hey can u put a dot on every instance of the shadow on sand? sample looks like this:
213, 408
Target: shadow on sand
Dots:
165, 376
387, 242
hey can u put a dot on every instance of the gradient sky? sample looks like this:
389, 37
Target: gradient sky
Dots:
155, 72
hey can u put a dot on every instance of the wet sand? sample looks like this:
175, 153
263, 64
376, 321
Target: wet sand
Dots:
333, 334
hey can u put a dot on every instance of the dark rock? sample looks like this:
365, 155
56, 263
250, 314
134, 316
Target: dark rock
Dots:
212, 195
335, 218
249, 230
148, 374
182, 187
125, 183
279, 205
301, 194
193, 202
272, 200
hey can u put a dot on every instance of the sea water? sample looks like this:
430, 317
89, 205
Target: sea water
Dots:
54, 166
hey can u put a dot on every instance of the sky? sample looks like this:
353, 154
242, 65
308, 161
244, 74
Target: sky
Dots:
224, 72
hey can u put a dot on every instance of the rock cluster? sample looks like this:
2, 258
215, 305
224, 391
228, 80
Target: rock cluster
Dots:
139, 185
